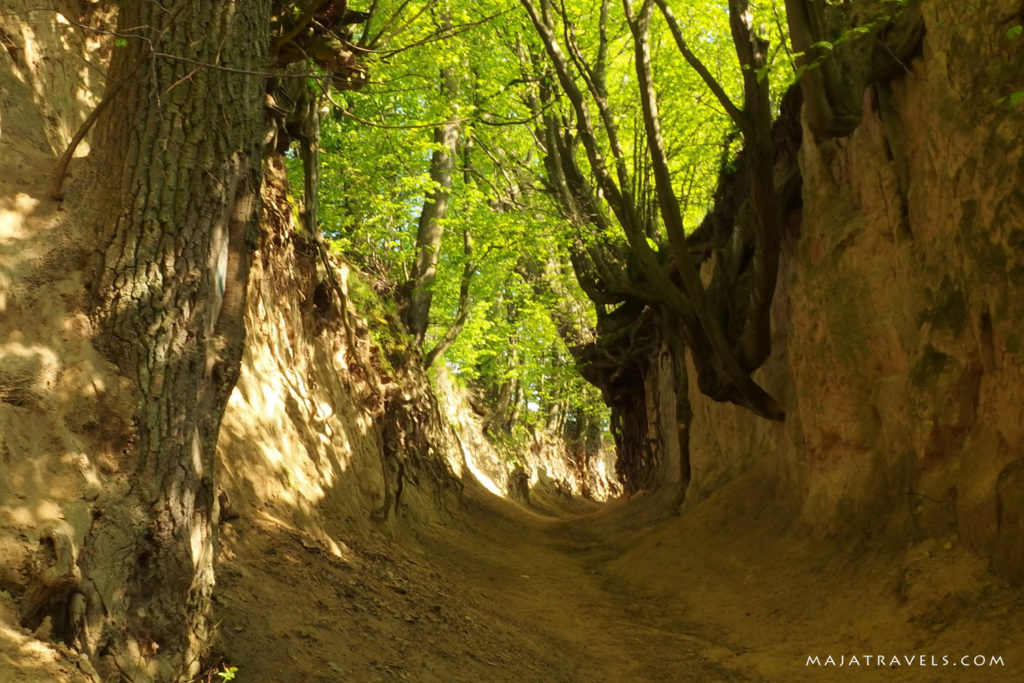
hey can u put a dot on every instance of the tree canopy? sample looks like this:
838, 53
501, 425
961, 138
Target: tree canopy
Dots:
537, 185
532, 265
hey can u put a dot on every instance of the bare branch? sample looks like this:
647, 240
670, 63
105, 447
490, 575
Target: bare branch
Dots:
594, 78
751, 394
716, 88
584, 124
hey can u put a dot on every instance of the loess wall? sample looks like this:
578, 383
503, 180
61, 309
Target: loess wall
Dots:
65, 414
321, 428
899, 319
527, 469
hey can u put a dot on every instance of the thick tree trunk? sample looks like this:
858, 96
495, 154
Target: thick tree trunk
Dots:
755, 343
701, 324
179, 150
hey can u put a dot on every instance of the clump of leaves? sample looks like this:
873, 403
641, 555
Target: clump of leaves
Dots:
219, 673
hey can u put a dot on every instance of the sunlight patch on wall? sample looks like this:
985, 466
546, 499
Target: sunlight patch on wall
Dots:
13, 213
19, 516
482, 477
27, 373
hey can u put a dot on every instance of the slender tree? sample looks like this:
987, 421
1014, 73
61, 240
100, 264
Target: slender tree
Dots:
430, 228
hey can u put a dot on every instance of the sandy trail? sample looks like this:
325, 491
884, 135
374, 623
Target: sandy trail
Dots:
497, 593
502, 593
547, 577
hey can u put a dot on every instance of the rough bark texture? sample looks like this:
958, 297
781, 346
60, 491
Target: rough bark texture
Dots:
179, 152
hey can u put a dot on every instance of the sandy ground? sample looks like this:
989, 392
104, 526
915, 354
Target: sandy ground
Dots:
569, 591
733, 590
499, 592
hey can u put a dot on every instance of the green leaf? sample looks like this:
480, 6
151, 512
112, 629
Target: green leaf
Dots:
1015, 31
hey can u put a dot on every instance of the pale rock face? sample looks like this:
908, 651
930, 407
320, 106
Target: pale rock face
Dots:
899, 317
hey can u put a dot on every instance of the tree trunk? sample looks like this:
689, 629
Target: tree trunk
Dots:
435, 208
462, 314
755, 343
179, 151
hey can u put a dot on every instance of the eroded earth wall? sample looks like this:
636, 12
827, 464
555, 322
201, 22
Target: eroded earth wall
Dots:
899, 318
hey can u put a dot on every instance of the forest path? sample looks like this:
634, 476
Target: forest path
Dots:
547, 577
500, 592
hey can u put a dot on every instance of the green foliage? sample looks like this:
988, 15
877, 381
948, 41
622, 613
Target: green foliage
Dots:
1010, 72
1014, 99
374, 179
219, 673
381, 315
376, 146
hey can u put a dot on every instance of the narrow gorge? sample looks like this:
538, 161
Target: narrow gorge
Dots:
513, 341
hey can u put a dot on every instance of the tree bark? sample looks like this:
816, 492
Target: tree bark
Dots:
755, 343
179, 152
722, 356
430, 229
462, 314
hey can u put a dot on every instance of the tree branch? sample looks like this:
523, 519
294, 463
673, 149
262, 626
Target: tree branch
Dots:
755, 341
750, 394
716, 88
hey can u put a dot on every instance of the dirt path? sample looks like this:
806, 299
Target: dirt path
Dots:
548, 578
500, 593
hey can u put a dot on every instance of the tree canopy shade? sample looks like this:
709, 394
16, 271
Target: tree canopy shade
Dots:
595, 133
533, 184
